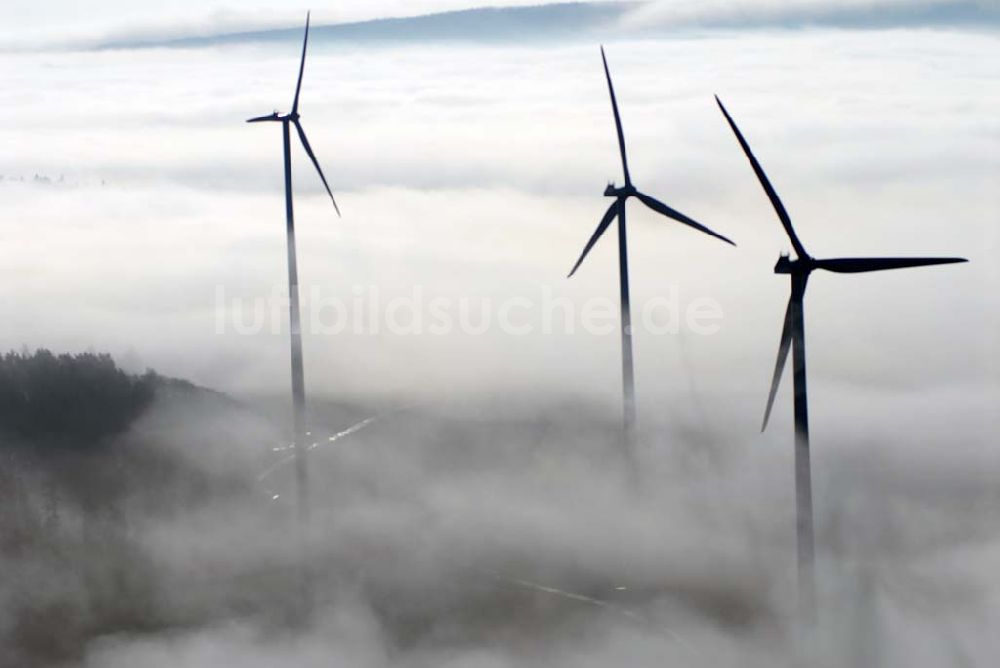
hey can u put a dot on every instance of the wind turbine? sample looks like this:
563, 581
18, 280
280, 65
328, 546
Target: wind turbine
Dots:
617, 210
298, 377
793, 336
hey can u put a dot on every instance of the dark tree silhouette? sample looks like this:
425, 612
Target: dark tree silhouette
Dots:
76, 402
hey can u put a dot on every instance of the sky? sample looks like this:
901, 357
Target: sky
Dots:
30, 21
30, 24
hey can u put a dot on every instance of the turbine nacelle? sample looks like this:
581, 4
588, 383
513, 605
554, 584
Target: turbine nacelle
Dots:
276, 116
625, 191
786, 265
273, 116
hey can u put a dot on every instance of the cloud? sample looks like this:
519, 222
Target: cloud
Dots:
506, 535
475, 172
521, 21
119, 23
854, 14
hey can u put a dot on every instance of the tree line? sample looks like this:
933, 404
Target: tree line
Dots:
74, 402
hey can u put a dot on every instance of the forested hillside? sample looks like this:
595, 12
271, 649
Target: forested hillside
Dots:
73, 402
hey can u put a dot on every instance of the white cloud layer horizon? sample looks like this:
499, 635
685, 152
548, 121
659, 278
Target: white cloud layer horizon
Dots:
29, 23
69, 24
478, 172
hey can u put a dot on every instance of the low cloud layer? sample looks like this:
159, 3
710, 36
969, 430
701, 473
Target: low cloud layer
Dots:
509, 534
477, 172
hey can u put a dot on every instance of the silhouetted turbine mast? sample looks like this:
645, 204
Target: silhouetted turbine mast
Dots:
298, 375
793, 337
617, 211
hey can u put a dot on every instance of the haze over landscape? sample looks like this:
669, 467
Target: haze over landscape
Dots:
485, 519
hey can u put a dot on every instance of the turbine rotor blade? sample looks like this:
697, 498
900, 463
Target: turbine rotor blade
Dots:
786, 222
315, 162
857, 265
662, 208
779, 365
302, 67
611, 214
618, 118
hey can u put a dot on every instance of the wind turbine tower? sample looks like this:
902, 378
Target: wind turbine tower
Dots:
793, 336
298, 376
617, 211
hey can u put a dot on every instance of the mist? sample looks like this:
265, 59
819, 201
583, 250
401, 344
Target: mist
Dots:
504, 534
470, 502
